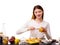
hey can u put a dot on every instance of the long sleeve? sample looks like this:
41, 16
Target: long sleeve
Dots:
48, 31
23, 29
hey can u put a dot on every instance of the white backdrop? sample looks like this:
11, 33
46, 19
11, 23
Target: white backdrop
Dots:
15, 13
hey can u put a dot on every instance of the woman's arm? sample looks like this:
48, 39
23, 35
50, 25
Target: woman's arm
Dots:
48, 33
23, 29
48, 36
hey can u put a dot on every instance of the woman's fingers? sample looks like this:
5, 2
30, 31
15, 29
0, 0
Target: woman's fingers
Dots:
42, 29
31, 28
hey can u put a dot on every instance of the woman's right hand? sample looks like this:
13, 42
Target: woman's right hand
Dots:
31, 28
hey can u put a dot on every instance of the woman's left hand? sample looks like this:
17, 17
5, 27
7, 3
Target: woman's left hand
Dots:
42, 29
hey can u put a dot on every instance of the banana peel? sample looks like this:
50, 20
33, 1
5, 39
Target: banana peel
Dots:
41, 29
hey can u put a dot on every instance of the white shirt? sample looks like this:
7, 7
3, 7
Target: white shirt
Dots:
36, 33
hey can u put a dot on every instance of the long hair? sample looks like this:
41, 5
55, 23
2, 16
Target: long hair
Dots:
37, 7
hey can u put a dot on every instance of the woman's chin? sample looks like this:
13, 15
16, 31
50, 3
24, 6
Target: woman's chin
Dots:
38, 17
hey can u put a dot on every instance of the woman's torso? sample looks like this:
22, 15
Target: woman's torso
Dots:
36, 33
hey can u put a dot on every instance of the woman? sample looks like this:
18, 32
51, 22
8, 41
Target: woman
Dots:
37, 22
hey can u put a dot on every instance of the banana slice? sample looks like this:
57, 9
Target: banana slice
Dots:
33, 40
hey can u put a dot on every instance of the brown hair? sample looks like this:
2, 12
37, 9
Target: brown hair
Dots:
37, 7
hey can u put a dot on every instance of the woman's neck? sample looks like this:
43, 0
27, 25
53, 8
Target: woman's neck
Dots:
39, 20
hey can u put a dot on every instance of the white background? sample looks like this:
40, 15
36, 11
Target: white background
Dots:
15, 13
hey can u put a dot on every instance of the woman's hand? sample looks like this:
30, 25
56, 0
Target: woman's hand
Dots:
31, 28
47, 35
42, 29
